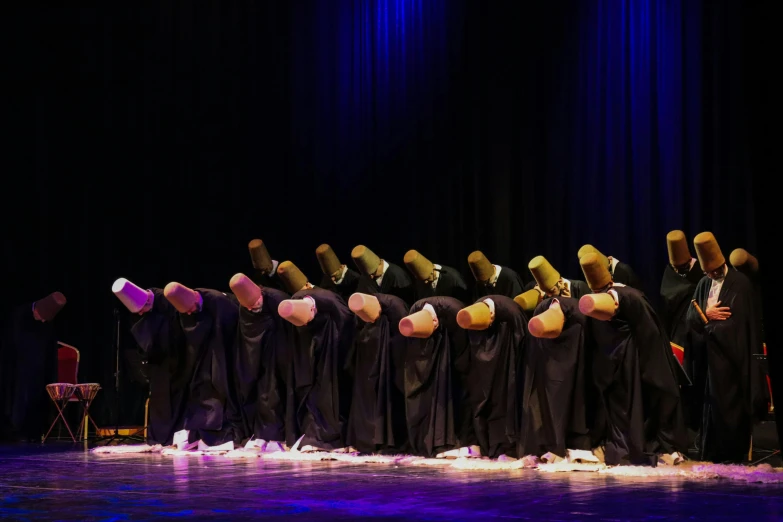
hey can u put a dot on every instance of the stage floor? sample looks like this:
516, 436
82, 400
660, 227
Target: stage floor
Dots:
56, 482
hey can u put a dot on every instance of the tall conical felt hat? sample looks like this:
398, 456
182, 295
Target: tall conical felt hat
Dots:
544, 273
366, 307
327, 259
528, 300
247, 291
50, 306
590, 249
744, 261
292, 277
260, 256
420, 266
475, 317
677, 245
598, 306
482, 269
596, 271
419, 325
133, 297
548, 324
708, 251
365, 259
298, 312
181, 297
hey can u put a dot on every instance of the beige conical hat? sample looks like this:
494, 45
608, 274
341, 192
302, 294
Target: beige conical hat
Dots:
475, 317
548, 324
419, 266
366, 307
365, 259
595, 270
528, 300
419, 325
744, 261
327, 259
482, 269
677, 245
181, 297
260, 256
246, 291
708, 251
590, 249
133, 297
544, 273
298, 312
50, 306
598, 306
293, 278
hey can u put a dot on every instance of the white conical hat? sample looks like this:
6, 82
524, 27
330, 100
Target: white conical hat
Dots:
133, 297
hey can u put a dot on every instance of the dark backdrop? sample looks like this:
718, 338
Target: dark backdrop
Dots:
154, 143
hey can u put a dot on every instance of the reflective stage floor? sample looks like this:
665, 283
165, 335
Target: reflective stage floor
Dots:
62, 483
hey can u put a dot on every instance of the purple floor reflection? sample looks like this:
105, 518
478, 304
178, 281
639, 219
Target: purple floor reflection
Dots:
60, 483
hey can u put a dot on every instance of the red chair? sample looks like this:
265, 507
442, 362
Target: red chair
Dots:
61, 393
68, 358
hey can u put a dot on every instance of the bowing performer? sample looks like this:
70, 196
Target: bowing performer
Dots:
493, 279
319, 386
437, 362
377, 366
156, 328
430, 279
209, 323
635, 372
550, 283
264, 267
379, 276
621, 272
262, 359
728, 315
337, 277
558, 396
497, 337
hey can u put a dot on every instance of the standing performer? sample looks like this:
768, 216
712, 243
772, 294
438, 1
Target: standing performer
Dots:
319, 386
549, 282
437, 361
29, 363
621, 272
493, 279
262, 359
378, 276
680, 278
432, 280
337, 277
497, 339
156, 328
731, 323
264, 267
558, 396
377, 365
634, 370
209, 323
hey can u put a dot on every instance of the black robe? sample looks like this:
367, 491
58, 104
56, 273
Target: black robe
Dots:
396, 281
624, 274
509, 284
436, 370
169, 368
578, 288
558, 394
267, 280
377, 367
676, 294
450, 284
347, 286
261, 368
494, 379
733, 394
212, 413
29, 363
637, 377
319, 388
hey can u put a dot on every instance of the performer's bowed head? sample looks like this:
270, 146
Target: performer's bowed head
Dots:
46, 309
365, 306
246, 291
598, 305
421, 324
298, 312
136, 299
549, 323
